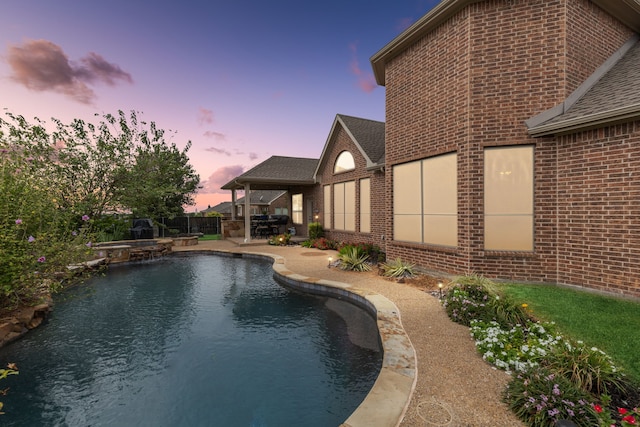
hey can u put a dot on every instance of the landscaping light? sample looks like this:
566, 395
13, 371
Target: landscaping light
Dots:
440, 289
330, 261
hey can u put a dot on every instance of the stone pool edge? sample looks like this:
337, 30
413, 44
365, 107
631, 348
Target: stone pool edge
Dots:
386, 403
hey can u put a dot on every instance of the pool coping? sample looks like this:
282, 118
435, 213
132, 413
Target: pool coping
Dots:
386, 403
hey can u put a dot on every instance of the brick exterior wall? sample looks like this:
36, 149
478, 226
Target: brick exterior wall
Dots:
340, 141
471, 84
599, 209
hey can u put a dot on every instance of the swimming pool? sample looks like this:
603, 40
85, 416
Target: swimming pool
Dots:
190, 341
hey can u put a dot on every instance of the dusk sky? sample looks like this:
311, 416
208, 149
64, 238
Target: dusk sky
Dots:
242, 80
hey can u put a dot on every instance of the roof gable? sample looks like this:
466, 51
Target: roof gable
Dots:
277, 172
367, 135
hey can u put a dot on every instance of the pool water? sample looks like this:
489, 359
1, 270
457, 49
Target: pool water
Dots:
192, 341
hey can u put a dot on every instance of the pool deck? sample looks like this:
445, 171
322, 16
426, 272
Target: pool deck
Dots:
431, 373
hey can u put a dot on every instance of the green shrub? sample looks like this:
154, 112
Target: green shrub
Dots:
320, 243
375, 253
540, 398
280, 239
354, 259
38, 239
518, 348
315, 230
587, 367
397, 268
477, 298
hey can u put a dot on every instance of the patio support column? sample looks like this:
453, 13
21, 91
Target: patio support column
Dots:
247, 212
233, 204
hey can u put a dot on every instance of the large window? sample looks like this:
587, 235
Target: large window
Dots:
365, 205
296, 209
425, 201
344, 206
508, 198
344, 162
327, 206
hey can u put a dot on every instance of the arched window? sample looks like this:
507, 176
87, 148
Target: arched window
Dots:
344, 162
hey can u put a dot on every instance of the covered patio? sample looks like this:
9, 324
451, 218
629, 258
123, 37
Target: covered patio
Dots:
295, 175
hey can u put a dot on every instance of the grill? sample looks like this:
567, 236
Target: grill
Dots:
142, 229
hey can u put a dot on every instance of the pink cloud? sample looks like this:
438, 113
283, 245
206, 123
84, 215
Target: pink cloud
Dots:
218, 151
205, 116
216, 135
219, 178
253, 156
365, 80
41, 65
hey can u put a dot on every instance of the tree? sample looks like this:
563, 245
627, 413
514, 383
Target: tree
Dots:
122, 164
161, 181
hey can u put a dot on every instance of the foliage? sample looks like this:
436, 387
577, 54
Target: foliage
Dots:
38, 239
627, 417
557, 378
11, 369
109, 228
373, 251
315, 230
213, 214
280, 239
474, 298
540, 398
601, 321
587, 367
117, 165
353, 258
519, 348
160, 181
397, 268
321, 243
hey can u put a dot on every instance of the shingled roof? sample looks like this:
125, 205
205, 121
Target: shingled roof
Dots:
611, 95
367, 135
277, 172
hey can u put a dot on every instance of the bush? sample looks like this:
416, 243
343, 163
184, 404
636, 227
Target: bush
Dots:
280, 239
477, 298
320, 243
397, 268
38, 239
519, 348
354, 259
556, 378
315, 230
540, 398
374, 252
589, 368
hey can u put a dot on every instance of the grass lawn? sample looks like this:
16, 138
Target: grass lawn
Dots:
611, 324
209, 237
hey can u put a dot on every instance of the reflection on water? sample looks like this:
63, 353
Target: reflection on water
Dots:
204, 340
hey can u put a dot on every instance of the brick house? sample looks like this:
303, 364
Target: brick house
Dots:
534, 107
511, 145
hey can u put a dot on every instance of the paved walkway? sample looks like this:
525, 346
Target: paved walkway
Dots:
454, 386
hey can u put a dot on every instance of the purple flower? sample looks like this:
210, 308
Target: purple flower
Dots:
85, 217
42, 259
74, 233
88, 244
31, 239
556, 389
18, 221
